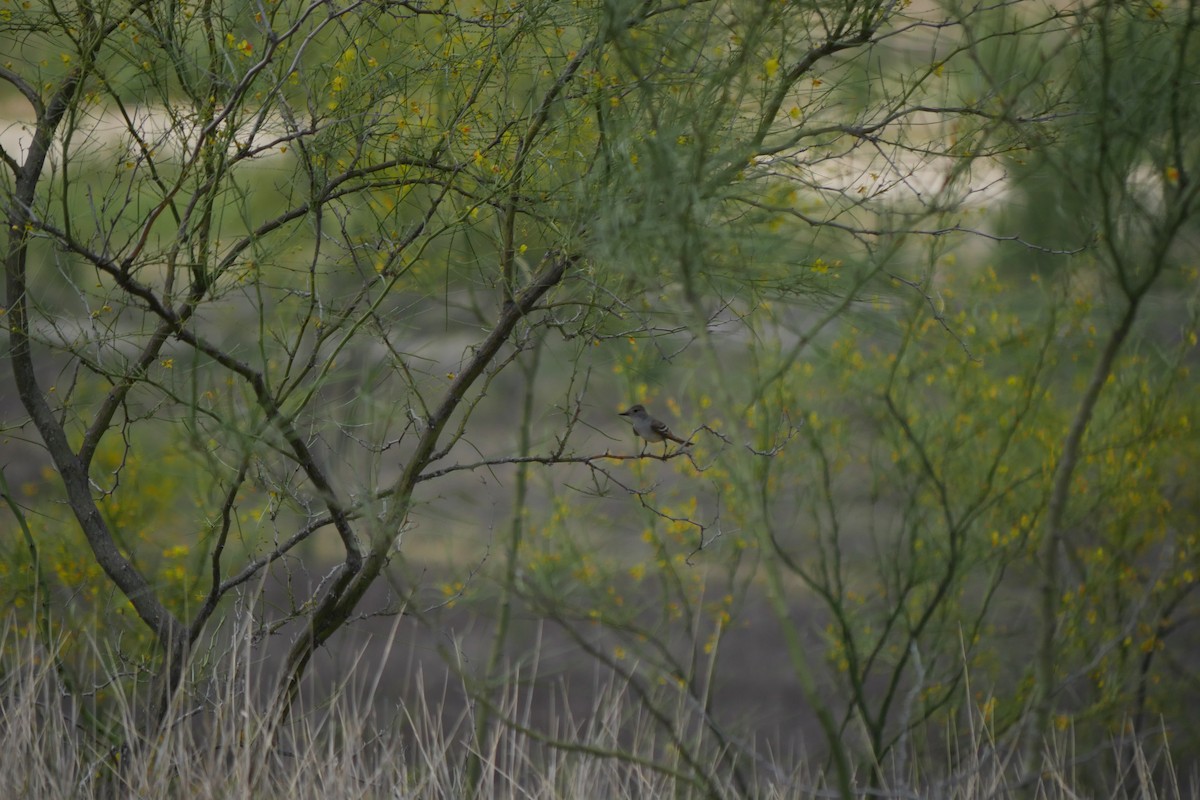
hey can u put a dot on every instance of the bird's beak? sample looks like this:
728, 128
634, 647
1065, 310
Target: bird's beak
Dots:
622, 413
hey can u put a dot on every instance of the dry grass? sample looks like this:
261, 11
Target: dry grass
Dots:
214, 745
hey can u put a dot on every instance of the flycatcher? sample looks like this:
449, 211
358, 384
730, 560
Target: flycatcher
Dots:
651, 429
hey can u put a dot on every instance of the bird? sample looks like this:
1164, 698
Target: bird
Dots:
649, 428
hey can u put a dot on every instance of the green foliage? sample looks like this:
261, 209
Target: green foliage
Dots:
914, 281
907, 507
150, 492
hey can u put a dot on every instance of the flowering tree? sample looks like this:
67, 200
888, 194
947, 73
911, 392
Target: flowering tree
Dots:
272, 268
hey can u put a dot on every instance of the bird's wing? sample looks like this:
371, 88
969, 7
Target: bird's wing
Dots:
662, 430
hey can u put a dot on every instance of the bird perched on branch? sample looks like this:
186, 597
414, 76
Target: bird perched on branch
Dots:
651, 429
